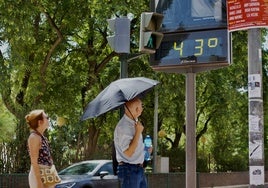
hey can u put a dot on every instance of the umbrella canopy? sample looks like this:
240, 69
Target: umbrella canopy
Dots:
117, 94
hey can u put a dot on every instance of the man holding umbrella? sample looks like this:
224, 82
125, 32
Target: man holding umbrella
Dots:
129, 146
128, 139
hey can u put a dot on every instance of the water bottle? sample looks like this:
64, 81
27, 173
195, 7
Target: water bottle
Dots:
147, 146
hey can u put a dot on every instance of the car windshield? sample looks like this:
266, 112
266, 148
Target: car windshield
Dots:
80, 169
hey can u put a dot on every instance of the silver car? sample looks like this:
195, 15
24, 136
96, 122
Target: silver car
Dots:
89, 174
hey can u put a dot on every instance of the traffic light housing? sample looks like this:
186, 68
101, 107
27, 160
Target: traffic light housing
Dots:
120, 40
150, 38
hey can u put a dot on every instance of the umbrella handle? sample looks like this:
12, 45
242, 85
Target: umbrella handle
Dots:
135, 119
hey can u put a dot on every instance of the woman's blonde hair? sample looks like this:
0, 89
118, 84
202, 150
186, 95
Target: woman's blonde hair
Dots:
33, 117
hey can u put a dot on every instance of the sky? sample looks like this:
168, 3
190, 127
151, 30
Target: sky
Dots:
3, 49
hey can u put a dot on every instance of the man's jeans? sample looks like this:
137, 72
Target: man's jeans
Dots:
131, 176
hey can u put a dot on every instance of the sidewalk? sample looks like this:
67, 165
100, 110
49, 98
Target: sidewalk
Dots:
234, 186
231, 186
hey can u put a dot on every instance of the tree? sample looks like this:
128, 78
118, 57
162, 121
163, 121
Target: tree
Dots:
57, 52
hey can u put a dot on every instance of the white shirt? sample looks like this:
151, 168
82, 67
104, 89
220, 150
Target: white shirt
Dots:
123, 135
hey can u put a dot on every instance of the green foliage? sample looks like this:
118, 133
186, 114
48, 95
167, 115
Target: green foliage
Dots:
176, 159
7, 123
58, 60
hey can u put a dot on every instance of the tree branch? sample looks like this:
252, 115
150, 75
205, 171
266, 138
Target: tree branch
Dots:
205, 128
105, 61
5, 91
49, 53
54, 45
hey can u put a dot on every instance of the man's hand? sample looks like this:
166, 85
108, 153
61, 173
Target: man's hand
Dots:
134, 143
139, 127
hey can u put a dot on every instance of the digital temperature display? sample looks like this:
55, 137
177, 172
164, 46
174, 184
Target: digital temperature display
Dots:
198, 47
193, 48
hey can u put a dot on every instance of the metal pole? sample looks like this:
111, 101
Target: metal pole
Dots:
123, 65
123, 73
155, 129
255, 102
190, 131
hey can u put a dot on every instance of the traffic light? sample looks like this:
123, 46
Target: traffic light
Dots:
150, 38
120, 40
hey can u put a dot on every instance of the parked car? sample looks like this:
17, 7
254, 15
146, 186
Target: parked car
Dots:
89, 174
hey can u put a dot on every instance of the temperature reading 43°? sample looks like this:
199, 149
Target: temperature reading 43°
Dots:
197, 47
209, 46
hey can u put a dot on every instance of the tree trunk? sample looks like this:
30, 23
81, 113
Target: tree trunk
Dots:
93, 135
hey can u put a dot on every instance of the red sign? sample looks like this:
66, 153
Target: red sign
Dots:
246, 14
